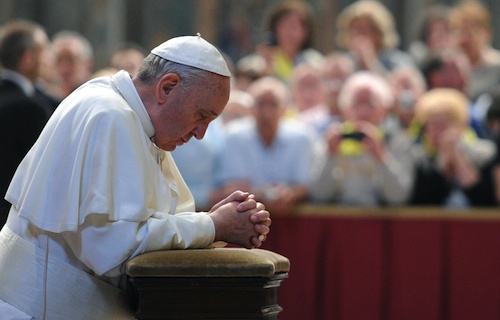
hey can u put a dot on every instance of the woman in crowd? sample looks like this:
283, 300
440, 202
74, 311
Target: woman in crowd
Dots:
434, 34
453, 167
366, 29
289, 39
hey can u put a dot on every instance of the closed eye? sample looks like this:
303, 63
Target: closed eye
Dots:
204, 114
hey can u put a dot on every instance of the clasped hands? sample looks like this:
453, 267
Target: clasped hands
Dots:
240, 219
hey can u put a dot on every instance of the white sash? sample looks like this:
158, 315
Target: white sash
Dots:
46, 288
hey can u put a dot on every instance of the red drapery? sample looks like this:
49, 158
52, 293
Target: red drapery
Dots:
402, 264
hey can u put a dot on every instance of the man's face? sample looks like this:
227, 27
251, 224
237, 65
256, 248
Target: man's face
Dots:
71, 66
267, 112
366, 106
188, 114
309, 91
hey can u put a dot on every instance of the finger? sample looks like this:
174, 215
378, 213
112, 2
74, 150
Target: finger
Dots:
238, 195
260, 217
256, 242
268, 222
250, 244
248, 204
261, 229
260, 206
250, 207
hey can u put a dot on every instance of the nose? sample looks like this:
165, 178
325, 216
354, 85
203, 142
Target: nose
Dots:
199, 131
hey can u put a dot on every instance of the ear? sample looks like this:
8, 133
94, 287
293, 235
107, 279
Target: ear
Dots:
165, 86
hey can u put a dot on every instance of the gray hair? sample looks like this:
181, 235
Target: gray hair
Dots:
154, 67
86, 51
378, 86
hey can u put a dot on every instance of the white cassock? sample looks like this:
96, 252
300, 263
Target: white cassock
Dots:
90, 195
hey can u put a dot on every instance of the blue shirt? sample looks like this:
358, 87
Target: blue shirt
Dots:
287, 161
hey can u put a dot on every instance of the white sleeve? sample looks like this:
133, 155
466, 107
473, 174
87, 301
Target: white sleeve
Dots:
180, 231
103, 245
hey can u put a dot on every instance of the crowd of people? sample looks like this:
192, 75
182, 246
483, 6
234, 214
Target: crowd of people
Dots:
369, 124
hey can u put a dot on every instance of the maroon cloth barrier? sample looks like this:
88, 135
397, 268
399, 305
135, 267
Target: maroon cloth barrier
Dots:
397, 265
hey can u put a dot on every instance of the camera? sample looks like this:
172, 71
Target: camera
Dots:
354, 135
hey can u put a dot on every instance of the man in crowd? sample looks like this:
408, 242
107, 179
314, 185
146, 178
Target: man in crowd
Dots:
74, 60
24, 108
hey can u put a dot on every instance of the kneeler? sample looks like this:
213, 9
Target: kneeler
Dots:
221, 283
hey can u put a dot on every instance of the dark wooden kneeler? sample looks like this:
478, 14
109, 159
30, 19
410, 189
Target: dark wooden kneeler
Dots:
222, 283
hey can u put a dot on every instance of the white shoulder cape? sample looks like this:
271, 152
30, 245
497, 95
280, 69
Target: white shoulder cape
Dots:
95, 157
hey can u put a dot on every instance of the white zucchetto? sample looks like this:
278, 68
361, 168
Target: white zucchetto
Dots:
193, 51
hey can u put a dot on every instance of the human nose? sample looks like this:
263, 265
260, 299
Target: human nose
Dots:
199, 131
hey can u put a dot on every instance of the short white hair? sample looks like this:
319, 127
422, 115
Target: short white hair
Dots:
273, 85
378, 86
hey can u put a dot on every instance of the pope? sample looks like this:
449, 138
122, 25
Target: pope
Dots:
100, 187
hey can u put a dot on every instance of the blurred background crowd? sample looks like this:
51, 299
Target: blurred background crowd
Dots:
355, 103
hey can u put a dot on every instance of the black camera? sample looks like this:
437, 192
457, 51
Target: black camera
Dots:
354, 135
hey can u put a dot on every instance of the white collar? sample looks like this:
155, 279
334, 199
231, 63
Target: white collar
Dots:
125, 87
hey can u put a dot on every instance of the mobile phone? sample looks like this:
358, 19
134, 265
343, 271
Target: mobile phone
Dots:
354, 135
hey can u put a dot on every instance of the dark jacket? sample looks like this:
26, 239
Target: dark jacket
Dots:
22, 118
